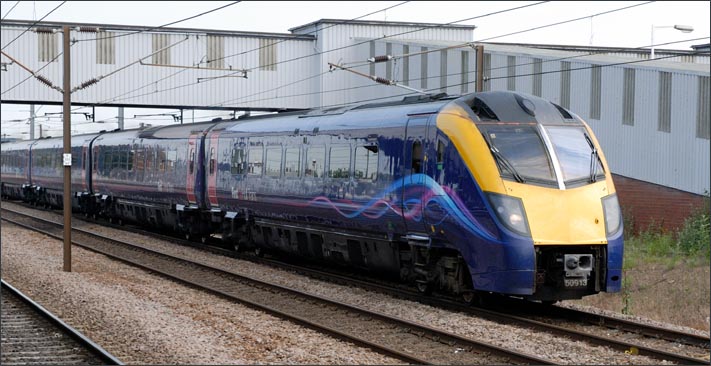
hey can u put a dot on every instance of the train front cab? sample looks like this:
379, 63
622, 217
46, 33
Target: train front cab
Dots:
540, 173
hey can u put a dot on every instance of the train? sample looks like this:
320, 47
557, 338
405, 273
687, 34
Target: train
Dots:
487, 193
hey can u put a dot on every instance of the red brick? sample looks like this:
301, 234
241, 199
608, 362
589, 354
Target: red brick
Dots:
648, 203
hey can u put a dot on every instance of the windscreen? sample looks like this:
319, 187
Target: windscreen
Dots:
520, 153
576, 154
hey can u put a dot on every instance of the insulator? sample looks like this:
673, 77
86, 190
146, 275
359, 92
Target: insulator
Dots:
45, 30
87, 83
89, 29
383, 81
377, 59
44, 80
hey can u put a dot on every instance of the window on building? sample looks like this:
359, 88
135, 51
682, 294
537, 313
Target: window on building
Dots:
537, 77
628, 89
366, 163
511, 72
105, 48
315, 161
47, 46
443, 71
703, 122
273, 165
664, 103
405, 65
255, 160
465, 72
423, 68
267, 54
565, 84
339, 162
161, 41
595, 91
215, 52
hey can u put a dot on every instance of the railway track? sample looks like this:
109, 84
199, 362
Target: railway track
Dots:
670, 345
408, 341
33, 336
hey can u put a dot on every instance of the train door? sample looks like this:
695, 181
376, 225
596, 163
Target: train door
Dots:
414, 188
192, 171
211, 168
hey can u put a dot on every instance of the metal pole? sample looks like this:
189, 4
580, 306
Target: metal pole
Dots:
479, 68
67, 157
120, 118
651, 57
32, 121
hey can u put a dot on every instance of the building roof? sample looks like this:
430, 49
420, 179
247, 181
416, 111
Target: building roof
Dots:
134, 28
381, 23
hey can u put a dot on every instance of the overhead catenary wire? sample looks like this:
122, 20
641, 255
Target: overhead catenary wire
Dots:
208, 79
9, 11
32, 25
99, 78
439, 76
470, 43
514, 76
162, 26
37, 76
387, 58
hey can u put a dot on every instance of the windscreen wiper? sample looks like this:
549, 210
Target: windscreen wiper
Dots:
594, 158
502, 161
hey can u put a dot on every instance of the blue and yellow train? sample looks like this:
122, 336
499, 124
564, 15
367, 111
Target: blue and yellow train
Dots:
493, 192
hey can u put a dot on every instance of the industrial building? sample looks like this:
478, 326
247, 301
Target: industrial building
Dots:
651, 116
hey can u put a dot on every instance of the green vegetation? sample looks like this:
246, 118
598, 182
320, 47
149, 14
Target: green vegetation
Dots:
690, 244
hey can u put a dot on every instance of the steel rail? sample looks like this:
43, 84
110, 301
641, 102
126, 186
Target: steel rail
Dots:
506, 317
90, 346
420, 330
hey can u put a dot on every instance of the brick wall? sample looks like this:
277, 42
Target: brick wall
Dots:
649, 203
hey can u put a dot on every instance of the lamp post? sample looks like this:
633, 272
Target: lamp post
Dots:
682, 28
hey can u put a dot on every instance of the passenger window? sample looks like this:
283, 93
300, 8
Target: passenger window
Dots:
171, 157
315, 161
212, 161
256, 160
238, 158
191, 160
440, 154
416, 157
292, 162
140, 164
273, 166
366, 163
340, 162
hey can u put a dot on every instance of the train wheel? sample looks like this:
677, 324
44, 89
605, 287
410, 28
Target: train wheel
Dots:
258, 251
204, 239
424, 287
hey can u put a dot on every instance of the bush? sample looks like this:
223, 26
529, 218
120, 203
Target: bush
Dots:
695, 236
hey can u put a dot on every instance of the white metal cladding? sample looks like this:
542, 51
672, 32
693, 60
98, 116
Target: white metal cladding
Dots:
151, 85
301, 79
350, 43
677, 159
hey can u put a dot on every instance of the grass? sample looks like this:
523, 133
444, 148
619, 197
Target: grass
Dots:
666, 274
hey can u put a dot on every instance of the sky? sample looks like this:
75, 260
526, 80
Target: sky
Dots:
627, 28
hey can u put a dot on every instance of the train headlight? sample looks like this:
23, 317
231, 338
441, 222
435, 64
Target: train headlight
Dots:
510, 212
613, 218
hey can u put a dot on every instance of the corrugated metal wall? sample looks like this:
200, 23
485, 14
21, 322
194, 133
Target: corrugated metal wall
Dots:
661, 144
671, 148
152, 85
